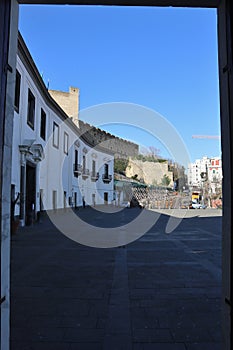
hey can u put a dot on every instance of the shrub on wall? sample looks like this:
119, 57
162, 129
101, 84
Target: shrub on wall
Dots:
120, 165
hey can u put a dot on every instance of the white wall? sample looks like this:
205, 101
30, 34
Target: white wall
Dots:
55, 171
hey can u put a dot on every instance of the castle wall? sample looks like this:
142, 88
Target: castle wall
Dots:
120, 147
151, 172
68, 101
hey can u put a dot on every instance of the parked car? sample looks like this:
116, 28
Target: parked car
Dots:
196, 205
125, 204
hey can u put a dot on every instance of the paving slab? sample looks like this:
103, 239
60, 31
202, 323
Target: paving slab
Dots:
162, 291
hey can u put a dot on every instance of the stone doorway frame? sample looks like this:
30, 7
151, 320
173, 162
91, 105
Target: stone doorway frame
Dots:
8, 50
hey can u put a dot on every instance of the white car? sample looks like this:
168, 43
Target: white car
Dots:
125, 204
196, 205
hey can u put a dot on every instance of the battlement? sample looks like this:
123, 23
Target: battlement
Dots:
95, 136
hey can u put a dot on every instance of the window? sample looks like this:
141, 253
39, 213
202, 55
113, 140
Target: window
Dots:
66, 143
106, 170
84, 163
17, 90
55, 135
43, 124
76, 157
31, 109
93, 167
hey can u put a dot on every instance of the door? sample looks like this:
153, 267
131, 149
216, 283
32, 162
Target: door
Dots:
41, 200
105, 197
75, 199
93, 199
30, 194
54, 200
64, 200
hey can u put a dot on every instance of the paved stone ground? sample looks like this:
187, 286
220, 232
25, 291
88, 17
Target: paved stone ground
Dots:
161, 292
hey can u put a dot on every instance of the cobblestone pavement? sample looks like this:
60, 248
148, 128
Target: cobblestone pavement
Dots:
161, 292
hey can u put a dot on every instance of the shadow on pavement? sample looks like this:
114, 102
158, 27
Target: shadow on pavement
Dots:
162, 291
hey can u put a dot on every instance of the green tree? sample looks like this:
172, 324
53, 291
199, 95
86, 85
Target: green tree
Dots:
165, 181
120, 165
149, 158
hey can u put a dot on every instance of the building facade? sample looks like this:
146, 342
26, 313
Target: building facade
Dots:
196, 169
53, 165
215, 174
206, 171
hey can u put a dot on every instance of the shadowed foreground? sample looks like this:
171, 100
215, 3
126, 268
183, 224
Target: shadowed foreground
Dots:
160, 292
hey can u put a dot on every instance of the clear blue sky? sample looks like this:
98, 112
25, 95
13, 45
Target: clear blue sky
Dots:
162, 58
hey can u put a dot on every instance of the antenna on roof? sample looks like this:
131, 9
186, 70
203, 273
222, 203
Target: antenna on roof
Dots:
48, 84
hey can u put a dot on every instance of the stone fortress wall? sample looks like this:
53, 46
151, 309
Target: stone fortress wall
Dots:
69, 102
150, 172
121, 148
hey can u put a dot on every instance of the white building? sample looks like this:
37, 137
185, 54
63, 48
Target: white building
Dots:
205, 169
53, 164
196, 169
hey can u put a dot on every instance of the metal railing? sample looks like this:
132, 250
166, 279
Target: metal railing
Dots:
95, 176
77, 169
106, 178
85, 173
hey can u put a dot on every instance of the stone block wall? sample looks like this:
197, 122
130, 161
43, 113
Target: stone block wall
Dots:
151, 172
68, 101
121, 148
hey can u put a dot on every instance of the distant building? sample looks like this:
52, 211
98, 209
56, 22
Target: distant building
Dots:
206, 170
196, 169
215, 174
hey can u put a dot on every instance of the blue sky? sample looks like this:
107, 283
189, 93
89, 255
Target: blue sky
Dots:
162, 58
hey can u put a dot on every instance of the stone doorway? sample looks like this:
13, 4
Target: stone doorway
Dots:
30, 194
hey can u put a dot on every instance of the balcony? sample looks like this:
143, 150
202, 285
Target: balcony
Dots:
85, 173
106, 178
94, 176
77, 170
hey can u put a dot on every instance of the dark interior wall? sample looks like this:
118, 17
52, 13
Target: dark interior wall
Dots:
225, 18
4, 46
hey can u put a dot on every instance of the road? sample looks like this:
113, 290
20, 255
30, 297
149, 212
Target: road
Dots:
160, 292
